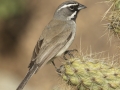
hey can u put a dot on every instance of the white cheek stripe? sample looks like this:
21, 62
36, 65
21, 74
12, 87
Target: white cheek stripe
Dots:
72, 16
66, 6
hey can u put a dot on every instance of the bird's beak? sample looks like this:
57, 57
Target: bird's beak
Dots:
81, 7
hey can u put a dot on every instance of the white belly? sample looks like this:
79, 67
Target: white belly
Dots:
67, 45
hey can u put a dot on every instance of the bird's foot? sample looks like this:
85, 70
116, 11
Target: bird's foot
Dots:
69, 53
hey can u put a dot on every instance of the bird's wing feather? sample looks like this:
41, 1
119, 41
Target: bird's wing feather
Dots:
51, 39
51, 49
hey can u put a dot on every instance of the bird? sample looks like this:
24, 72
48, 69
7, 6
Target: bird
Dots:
55, 39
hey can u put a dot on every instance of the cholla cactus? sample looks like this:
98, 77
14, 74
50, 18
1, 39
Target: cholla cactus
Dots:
113, 17
87, 74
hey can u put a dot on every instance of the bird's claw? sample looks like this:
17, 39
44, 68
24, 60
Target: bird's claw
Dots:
69, 52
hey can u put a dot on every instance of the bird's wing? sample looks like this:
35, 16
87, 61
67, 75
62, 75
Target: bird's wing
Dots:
53, 38
52, 49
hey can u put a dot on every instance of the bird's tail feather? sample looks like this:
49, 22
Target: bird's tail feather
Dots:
27, 77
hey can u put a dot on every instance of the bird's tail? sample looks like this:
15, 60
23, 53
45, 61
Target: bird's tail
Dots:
27, 77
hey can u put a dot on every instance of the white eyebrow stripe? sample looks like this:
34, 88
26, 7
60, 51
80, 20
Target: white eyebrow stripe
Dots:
66, 6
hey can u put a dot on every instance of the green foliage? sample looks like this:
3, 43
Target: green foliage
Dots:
9, 8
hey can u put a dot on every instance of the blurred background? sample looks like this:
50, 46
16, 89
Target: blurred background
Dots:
21, 23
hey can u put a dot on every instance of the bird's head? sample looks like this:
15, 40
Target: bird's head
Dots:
68, 10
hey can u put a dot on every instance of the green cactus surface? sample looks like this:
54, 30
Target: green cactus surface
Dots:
113, 17
90, 75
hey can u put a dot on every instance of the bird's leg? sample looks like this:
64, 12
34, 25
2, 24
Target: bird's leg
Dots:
54, 65
69, 52
64, 55
58, 70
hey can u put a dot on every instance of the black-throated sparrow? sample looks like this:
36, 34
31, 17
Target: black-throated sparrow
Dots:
55, 38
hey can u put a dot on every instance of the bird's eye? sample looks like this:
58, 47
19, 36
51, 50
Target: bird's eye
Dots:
71, 7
